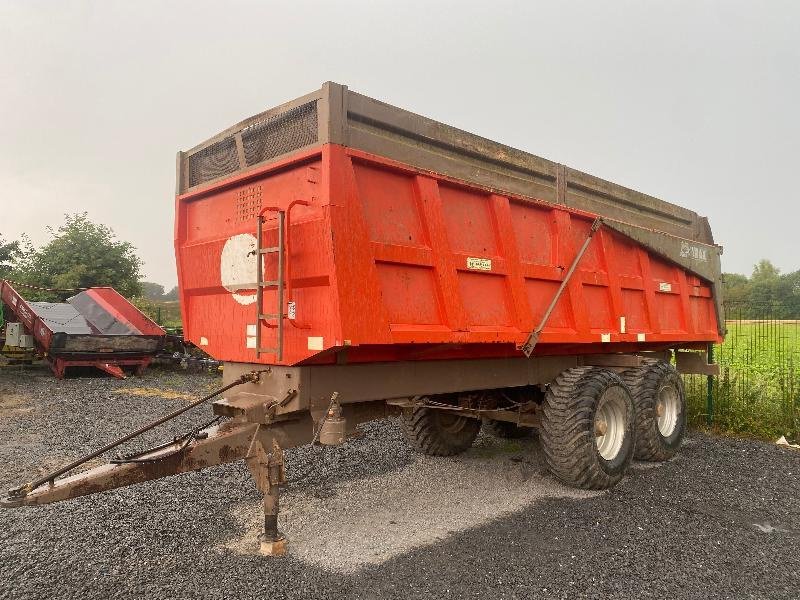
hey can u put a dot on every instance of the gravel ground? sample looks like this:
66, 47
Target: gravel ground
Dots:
377, 521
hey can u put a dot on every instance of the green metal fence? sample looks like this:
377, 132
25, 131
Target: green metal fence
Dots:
758, 390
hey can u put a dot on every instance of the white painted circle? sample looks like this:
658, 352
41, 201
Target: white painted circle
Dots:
237, 268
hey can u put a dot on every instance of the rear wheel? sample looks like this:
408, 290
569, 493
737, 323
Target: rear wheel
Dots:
504, 429
439, 432
660, 405
587, 427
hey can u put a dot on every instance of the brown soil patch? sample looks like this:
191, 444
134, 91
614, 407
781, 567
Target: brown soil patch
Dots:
13, 404
155, 392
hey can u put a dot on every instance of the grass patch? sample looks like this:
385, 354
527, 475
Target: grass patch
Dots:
165, 313
758, 390
497, 447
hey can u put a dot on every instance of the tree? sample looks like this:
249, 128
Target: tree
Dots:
766, 294
788, 296
82, 254
765, 271
10, 252
152, 291
735, 287
764, 289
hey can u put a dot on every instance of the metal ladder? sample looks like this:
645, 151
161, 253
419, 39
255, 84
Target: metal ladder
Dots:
264, 318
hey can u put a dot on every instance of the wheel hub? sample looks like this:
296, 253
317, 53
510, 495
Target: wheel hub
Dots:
610, 423
667, 410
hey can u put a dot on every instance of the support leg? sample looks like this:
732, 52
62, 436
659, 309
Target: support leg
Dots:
139, 371
273, 542
268, 471
58, 368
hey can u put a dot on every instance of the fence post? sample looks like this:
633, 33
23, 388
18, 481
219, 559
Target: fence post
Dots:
710, 388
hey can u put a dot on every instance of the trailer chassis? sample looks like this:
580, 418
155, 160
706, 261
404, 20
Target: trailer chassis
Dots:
276, 408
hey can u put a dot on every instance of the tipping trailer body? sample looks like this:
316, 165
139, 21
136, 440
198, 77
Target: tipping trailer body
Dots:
413, 240
97, 327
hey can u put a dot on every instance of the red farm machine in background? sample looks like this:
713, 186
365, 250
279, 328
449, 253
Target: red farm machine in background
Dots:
348, 259
97, 327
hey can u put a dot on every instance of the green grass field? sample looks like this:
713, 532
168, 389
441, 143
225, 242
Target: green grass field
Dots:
758, 391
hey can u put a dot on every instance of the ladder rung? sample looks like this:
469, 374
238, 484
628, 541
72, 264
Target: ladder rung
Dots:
270, 250
270, 283
269, 350
269, 316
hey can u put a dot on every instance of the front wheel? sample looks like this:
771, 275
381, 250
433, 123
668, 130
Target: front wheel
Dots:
587, 427
439, 432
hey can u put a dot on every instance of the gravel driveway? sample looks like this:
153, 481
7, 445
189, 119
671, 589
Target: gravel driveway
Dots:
374, 520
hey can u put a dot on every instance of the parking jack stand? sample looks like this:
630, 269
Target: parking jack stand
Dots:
269, 473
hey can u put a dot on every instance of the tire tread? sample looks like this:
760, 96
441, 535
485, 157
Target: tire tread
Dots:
421, 429
567, 427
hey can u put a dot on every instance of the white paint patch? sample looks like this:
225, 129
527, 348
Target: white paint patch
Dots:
204, 341
251, 342
640, 337
605, 337
251, 330
622, 324
238, 267
315, 343
664, 286
355, 524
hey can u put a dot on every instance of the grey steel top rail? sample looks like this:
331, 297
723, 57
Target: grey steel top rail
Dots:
334, 114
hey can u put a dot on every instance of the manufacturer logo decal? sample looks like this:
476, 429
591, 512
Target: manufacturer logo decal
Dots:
24, 312
694, 252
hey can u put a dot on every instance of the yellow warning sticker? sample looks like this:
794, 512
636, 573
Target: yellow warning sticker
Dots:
479, 264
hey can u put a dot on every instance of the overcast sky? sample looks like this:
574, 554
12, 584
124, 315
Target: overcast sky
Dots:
694, 102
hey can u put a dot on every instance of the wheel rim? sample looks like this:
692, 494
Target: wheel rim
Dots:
610, 422
667, 410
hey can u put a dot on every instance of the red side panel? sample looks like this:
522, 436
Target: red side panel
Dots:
395, 263
441, 262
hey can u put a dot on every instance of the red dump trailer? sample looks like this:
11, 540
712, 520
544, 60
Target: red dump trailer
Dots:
97, 327
348, 259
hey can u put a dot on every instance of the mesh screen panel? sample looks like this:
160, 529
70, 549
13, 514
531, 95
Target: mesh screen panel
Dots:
215, 161
280, 134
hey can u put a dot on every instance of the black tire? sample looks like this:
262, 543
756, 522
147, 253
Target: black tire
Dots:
648, 383
568, 429
504, 429
439, 432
